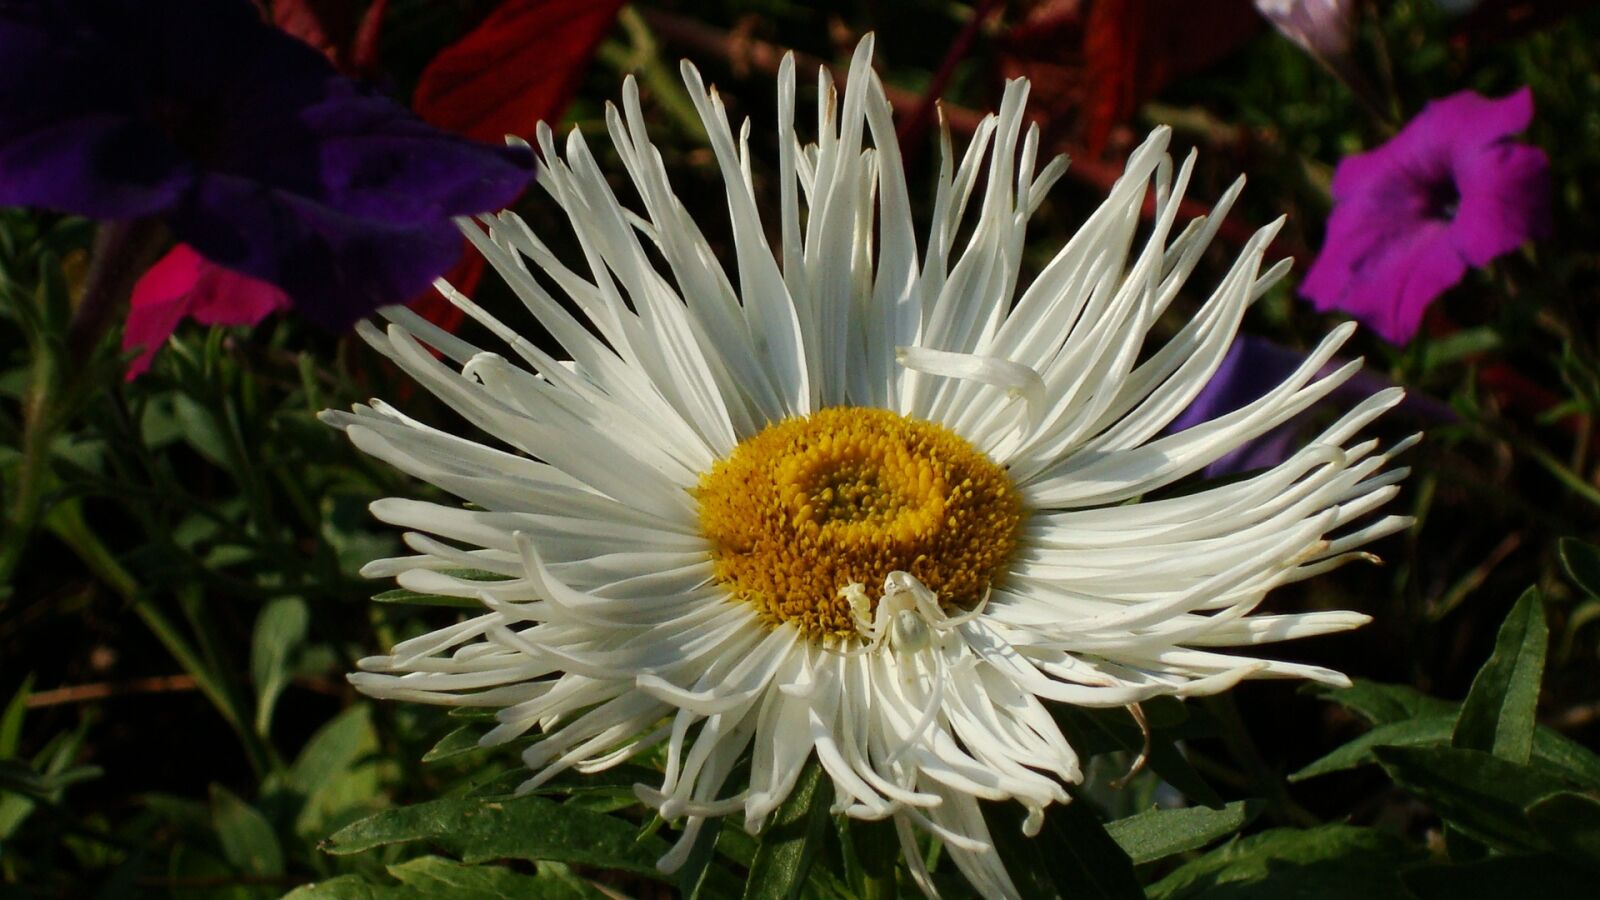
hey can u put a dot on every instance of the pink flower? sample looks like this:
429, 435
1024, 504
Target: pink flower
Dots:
1322, 27
184, 284
1451, 190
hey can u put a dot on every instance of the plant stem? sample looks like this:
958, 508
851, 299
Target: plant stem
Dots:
122, 251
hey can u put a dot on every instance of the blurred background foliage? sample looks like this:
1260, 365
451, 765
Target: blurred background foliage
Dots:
179, 596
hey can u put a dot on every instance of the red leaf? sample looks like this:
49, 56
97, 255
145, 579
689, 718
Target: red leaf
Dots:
346, 31
520, 66
1095, 62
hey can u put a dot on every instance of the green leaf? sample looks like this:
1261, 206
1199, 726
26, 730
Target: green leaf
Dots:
1466, 342
1498, 714
790, 842
697, 869
1536, 877
1159, 833
432, 877
1481, 795
350, 887
202, 431
1381, 704
1582, 562
1571, 823
247, 839
412, 598
528, 827
1101, 731
336, 773
1570, 758
462, 740
1072, 856
1433, 730
1332, 862
870, 851
333, 749
11, 720
280, 629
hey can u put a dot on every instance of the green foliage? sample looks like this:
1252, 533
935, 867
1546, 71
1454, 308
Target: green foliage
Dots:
1330, 862
788, 846
1582, 564
1072, 856
1160, 833
429, 877
528, 827
1498, 715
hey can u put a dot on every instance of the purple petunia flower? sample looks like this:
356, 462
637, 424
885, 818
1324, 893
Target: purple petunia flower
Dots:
244, 141
1255, 365
1251, 367
1451, 190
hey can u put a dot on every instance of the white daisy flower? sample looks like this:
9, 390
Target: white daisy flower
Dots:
861, 496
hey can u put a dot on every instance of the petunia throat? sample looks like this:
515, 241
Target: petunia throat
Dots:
811, 505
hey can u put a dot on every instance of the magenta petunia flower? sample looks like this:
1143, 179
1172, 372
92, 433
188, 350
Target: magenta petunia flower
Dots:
184, 284
244, 142
1451, 190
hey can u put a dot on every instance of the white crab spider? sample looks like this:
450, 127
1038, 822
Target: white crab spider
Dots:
908, 614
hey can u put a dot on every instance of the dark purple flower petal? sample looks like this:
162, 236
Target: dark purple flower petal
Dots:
95, 165
336, 266
1448, 192
1252, 367
254, 149
376, 159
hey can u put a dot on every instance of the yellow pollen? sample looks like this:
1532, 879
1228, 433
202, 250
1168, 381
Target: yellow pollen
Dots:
847, 495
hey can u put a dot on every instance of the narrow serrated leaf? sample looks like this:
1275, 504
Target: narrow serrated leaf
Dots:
693, 875
280, 629
247, 838
412, 598
1571, 823
1100, 731
1072, 856
11, 720
1582, 562
528, 827
1159, 833
790, 842
1431, 730
462, 740
1480, 794
1498, 714
431, 877
332, 749
1572, 759
1381, 704
1331, 862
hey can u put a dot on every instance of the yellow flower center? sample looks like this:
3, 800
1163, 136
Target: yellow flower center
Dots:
847, 495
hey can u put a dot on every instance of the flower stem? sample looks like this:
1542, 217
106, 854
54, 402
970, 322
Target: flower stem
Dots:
123, 250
